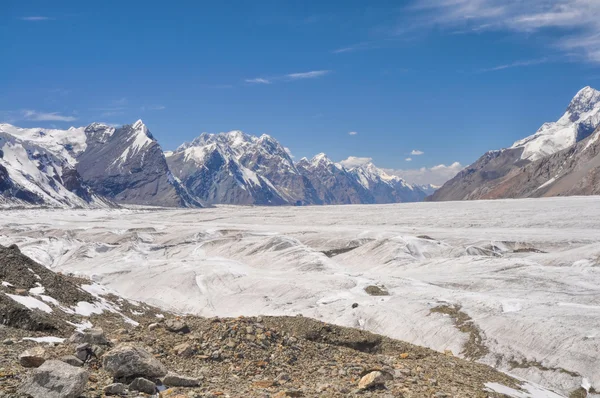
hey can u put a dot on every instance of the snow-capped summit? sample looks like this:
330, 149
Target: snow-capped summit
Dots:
581, 118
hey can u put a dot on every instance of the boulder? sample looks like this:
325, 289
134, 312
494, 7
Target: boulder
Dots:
72, 360
90, 336
55, 379
33, 357
115, 389
142, 385
175, 380
128, 360
184, 350
371, 380
176, 326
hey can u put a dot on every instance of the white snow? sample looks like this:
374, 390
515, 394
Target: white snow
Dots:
30, 302
559, 135
46, 339
228, 261
80, 327
7, 284
530, 391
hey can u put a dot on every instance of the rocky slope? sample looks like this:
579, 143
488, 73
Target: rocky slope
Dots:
64, 336
493, 175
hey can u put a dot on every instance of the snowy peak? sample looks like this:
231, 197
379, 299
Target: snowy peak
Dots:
581, 118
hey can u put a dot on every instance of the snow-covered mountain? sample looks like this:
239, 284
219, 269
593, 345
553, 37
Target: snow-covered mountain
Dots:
580, 120
487, 177
99, 164
38, 167
237, 168
91, 166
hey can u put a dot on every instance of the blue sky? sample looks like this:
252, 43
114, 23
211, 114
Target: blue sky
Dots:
449, 78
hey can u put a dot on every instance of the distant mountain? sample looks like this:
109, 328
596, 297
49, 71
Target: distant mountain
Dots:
128, 166
93, 166
429, 189
522, 169
101, 165
236, 168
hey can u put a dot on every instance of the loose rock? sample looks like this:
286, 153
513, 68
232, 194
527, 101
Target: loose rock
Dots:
175, 380
90, 336
33, 357
115, 389
371, 380
72, 360
55, 379
176, 326
128, 360
143, 385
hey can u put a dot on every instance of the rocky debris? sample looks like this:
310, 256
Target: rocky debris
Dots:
176, 326
55, 379
376, 291
371, 380
175, 380
71, 360
115, 389
127, 360
90, 336
33, 357
142, 385
184, 350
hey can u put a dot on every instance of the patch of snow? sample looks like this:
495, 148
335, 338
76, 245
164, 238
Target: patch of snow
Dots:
7, 284
30, 302
80, 327
530, 391
37, 290
46, 339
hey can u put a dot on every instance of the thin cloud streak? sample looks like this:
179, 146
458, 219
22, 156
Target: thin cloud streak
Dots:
517, 64
289, 77
307, 75
32, 115
35, 19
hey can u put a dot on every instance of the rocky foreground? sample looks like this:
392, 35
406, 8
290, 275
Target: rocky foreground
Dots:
66, 337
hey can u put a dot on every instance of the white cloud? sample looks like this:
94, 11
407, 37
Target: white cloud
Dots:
289, 152
416, 152
35, 18
436, 175
408, 159
289, 77
258, 80
45, 116
355, 161
517, 64
153, 108
576, 22
353, 133
307, 75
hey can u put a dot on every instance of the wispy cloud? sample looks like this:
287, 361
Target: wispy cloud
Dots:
46, 116
35, 18
516, 64
436, 175
416, 152
289, 77
576, 22
119, 102
153, 108
258, 80
408, 159
353, 133
307, 75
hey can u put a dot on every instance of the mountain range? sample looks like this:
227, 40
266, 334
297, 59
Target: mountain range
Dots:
560, 159
103, 166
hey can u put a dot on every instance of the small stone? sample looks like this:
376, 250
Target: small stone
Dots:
21, 292
263, 384
122, 331
115, 389
293, 393
371, 380
175, 380
354, 305
82, 355
404, 355
176, 326
143, 385
441, 395
153, 326
448, 353
82, 347
97, 351
216, 354
55, 379
184, 350
8, 342
33, 357
72, 360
